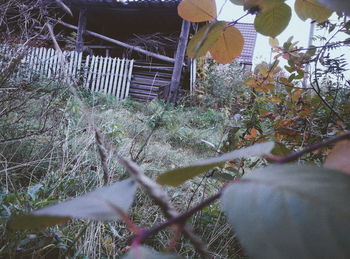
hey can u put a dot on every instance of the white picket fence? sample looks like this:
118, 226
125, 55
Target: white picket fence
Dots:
99, 74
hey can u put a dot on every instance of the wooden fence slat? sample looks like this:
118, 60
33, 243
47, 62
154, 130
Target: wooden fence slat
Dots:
46, 63
35, 61
120, 77
79, 67
90, 72
99, 74
115, 78
23, 65
39, 58
74, 56
19, 52
41, 62
93, 88
70, 55
54, 64
36, 64
125, 75
111, 76
131, 66
103, 75
108, 75
86, 72
31, 63
35, 57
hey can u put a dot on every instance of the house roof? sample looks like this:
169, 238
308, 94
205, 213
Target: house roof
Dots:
249, 34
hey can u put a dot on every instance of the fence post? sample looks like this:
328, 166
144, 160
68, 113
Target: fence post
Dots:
81, 29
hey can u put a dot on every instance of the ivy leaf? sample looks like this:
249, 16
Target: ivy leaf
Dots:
339, 157
311, 9
142, 252
291, 211
204, 39
342, 6
273, 21
229, 45
177, 176
197, 10
97, 205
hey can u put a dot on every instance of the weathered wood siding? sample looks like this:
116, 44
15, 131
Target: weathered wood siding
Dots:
149, 80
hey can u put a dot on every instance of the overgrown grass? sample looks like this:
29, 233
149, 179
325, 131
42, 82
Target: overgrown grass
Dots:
61, 162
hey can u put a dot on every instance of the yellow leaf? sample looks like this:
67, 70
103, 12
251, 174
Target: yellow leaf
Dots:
339, 157
296, 95
204, 39
228, 47
311, 9
268, 87
250, 81
276, 99
197, 10
264, 71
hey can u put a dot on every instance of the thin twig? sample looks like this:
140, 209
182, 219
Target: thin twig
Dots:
180, 218
103, 156
101, 144
161, 198
296, 155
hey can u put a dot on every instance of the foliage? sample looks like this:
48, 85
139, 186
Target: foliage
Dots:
224, 43
291, 203
219, 87
63, 163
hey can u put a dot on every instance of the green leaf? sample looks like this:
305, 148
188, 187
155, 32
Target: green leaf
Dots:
342, 6
261, 5
21, 222
142, 252
311, 9
237, 2
177, 176
223, 177
33, 190
273, 21
291, 211
279, 150
204, 39
97, 205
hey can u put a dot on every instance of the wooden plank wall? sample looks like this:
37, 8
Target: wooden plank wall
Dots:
99, 74
149, 80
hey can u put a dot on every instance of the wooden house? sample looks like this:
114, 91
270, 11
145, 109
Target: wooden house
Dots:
151, 25
129, 48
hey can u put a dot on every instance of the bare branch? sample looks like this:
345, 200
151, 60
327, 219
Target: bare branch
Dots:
163, 201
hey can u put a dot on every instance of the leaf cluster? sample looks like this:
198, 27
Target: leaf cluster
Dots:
225, 42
